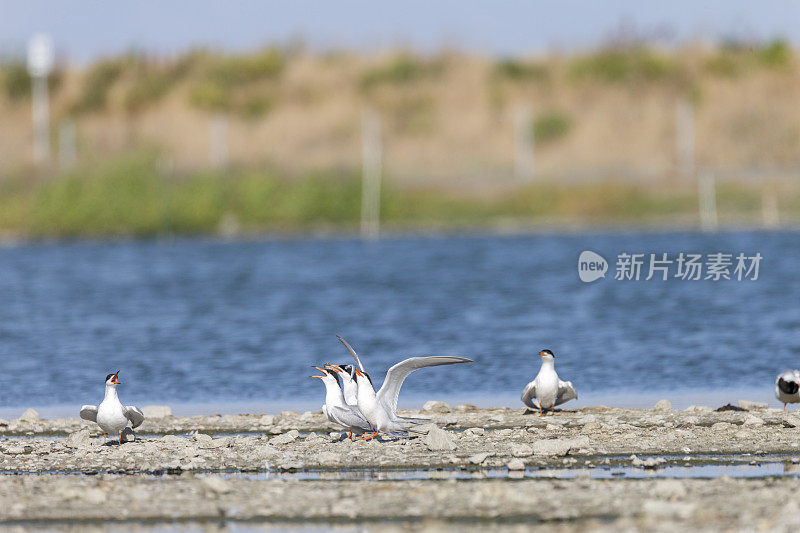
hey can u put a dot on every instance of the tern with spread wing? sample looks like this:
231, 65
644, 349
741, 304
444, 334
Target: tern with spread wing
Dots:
111, 415
337, 410
787, 387
547, 390
380, 408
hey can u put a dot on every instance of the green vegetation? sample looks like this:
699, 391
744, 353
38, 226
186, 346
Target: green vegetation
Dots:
519, 70
98, 81
235, 83
732, 58
129, 196
16, 80
623, 65
776, 54
550, 126
402, 69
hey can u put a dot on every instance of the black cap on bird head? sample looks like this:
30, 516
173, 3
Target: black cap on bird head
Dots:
326, 373
544, 353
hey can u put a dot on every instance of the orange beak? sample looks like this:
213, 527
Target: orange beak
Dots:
115, 379
321, 370
359, 372
542, 354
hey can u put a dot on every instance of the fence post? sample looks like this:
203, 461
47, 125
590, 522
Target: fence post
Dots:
371, 171
40, 64
67, 143
523, 144
769, 205
684, 138
218, 140
707, 194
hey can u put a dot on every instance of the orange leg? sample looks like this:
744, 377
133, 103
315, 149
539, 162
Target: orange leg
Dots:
369, 437
541, 413
784, 406
120, 438
350, 435
105, 437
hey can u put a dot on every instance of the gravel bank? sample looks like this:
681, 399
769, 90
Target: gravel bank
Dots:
204, 458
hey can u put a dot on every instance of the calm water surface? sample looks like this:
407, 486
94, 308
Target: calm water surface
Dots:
212, 323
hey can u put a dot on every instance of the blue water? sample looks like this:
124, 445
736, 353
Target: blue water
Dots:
207, 322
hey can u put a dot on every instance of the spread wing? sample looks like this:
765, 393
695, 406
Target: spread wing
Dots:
390, 390
566, 392
89, 412
134, 414
528, 394
349, 418
353, 353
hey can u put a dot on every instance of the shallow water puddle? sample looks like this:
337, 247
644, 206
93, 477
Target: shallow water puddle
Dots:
667, 471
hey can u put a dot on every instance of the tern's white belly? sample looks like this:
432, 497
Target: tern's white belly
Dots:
111, 418
547, 391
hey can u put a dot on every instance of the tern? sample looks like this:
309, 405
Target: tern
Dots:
547, 389
349, 387
337, 410
380, 408
111, 415
787, 387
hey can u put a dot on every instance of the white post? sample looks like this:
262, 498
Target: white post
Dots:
40, 64
707, 194
684, 138
769, 206
371, 153
67, 144
523, 144
218, 140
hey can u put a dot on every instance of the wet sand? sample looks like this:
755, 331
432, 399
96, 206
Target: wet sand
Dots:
288, 468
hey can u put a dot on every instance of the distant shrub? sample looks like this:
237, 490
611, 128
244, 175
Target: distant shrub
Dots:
237, 70
776, 54
724, 63
153, 82
210, 96
622, 65
255, 106
517, 70
550, 126
98, 81
403, 68
16, 80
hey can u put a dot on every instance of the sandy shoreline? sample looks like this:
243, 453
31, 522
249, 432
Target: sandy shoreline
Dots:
259, 467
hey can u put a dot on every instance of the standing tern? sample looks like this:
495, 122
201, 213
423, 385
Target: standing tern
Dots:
787, 387
111, 415
380, 408
349, 387
337, 410
547, 389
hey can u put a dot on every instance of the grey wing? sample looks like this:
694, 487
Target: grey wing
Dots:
134, 414
352, 352
89, 412
528, 394
566, 392
349, 418
390, 390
